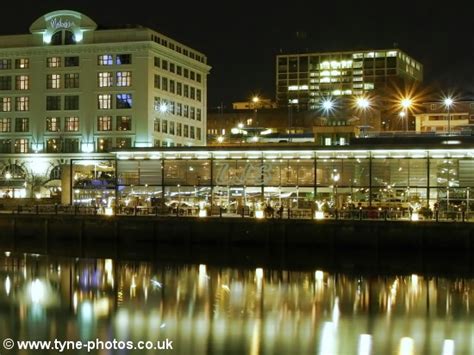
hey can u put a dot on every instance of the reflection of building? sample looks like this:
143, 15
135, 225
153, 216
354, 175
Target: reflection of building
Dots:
302, 79
70, 87
294, 176
434, 117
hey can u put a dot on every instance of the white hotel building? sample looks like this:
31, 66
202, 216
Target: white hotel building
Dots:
69, 90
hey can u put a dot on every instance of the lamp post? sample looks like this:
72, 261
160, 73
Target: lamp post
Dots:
363, 104
406, 104
8, 176
335, 178
255, 101
448, 102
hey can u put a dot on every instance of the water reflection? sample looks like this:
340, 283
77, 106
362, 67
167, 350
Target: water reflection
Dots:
206, 309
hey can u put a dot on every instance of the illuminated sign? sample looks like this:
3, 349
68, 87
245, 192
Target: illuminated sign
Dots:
59, 23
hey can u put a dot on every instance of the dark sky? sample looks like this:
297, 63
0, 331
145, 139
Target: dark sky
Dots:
242, 38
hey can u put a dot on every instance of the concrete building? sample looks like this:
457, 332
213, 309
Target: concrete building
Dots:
303, 79
434, 117
71, 89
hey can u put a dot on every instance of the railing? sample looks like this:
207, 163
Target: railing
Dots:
269, 214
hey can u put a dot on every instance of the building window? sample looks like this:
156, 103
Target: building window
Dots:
179, 109
5, 125
53, 62
22, 82
156, 143
164, 64
71, 102
123, 101
171, 130
192, 113
157, 82
198, 114
21, 145
53, 145
198, 95
53, 81
124, 123
71, 124
5, 64
123, 142
53, 124
5, 104
179, 89
157, 62
198, 133
191, 132
71, 61
156, 125
186, 73
104, 144
22, 63
22, 103
105, 79
123, 59
186, 131
70, 145
198, 78
104, 101
178, 129
164, 84
22, 124
433, 107
191, 75
104, 123
164, 126
185, 111
124, 78
179, 70
105, 59
5, 82
186, 91
71, 81
172, 86
53, 103
172, 67
5, 145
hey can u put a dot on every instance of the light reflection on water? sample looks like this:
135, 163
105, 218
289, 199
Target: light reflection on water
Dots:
207, 309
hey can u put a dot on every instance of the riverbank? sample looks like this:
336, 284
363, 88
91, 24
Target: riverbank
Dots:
350, 244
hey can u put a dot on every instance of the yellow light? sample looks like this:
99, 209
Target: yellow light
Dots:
8, 175
415, 217
362, 102
109, 211
202, 213
448, 101
259, 273
319, 275
255, 99
319, 215
406, 103
220, 139
259, 214
406, 346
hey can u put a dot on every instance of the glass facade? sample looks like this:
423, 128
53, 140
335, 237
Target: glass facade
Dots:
245, 181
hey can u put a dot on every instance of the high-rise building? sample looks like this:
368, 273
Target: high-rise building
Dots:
69, 86
73, 90
303, 79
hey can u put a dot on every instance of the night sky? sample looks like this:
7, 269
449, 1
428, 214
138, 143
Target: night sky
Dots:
242, 38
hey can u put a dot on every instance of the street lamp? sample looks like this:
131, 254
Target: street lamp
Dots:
255, 101
335, 179
448, 101
406, 104
363, 104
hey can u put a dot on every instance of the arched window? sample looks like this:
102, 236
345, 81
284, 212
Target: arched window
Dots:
57, 38
69, 37
55, 173
15, 171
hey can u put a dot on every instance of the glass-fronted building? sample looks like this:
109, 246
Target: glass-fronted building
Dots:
307, 178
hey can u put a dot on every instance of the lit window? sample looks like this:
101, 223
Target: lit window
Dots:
71, 81
22, 63
22, 103
21, 145
124, 78
105, 59
5, 64
105, 79
123, 142
104, 101
5, 125
124, 101
391, 53
5, 104
53, 81
53, 124
104, 123
22, 124
53, 62
124, 123
71, 124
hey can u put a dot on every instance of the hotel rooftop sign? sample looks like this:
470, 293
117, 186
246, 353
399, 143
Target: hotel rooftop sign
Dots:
73, 21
